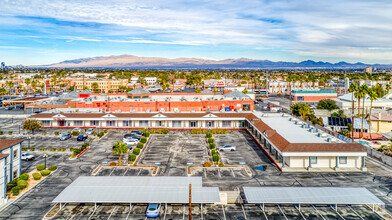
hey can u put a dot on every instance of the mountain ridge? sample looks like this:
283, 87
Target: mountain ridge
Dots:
138, 62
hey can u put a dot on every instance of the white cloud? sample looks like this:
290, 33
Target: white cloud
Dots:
319, 28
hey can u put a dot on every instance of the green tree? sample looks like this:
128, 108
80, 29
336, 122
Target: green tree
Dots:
95, 86
3, 92
31, 125
338, 114
198, 90
245, 91
72, 88
10, 85
301, 109
327, 104
388, 87
363, 90
353, 88
120, 148
372, 96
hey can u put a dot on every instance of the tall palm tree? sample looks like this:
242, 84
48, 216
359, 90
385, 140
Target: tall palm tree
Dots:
372, 96
120, 148
364, 90
353, 88
27, 82
3, 92
10, 85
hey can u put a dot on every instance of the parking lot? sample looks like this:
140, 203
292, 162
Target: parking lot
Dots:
174, 151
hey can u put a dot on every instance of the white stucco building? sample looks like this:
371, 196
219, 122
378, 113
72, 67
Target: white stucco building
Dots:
10, 164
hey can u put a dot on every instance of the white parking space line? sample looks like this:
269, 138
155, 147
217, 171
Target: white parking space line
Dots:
299, 210
282, 212
115, 208
356, 213
140, 170
262, 209
224, 214
318, 212
243, 211
78, 213
183, 213
338, 213
125, 172
94, 212
130, 210
112, 171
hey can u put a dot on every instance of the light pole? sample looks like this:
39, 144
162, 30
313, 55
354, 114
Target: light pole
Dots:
28, 138
45, 156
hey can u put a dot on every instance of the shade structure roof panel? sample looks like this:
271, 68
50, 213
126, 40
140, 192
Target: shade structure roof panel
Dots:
111, 189
310, 195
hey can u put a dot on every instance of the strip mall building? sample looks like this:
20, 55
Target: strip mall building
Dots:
291, 144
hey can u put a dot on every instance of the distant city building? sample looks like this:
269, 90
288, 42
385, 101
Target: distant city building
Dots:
149, 80
369, 69
2, 66
346, 83
104, 85
219, 84
281, 86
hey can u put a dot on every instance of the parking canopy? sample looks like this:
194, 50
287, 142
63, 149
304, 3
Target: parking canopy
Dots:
310, 195
128, 189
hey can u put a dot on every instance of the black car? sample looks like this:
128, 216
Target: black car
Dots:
133, 135
137, 132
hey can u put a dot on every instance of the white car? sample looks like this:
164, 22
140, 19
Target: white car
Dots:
76, 129
227, 147
130, 141
153, 210
90, 131
27, 156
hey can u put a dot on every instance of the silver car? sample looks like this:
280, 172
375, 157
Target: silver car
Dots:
227, 147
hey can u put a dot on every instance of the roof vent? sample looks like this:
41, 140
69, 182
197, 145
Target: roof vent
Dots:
329, 140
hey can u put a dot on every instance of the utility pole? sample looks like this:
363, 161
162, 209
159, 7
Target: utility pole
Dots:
266, 83
190, 201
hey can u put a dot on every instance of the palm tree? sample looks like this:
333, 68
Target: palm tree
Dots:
120, 148
372, 96
364, 90
353, 88
388, 87
3, 92
10, 85
94, 86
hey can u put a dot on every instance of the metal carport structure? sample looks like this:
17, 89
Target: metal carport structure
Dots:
129, 189
311, 196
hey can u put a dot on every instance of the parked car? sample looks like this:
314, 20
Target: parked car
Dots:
130, 141
82, 137
65, 136
27, 156
137, 132
133, 135
76, 129
153, 210
227, 147
90, 131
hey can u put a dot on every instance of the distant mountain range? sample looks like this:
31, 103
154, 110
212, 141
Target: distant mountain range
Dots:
135, 62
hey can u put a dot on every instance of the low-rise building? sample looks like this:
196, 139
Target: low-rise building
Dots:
104, 85
291, 144
10, 164
313, 95
381, 122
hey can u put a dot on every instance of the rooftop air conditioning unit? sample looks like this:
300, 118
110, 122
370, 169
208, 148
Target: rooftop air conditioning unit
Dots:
290, 119
148, 110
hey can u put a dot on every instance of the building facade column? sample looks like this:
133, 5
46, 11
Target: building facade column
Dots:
276, 155
310, 163
363, 162
337, 162
283, 161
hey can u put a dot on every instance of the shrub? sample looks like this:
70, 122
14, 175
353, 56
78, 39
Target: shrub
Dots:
1, 132
95, 133
52, 168
32, 148
12, 184
214, 152
53, 149
56, 133
113, 164
15, 190
40, 167
212, 146
44, 133
140, 145
143, 140
147, 134
207, 164
87, 144
45, 172
210, 140
136, 151
164, 131
208, 135
215, 158
101, 134
24, 176
75, 133
24, 148
42, 149
76, 151
221, 165
105, 131
132, 157
36, 176
10, 132
22, 184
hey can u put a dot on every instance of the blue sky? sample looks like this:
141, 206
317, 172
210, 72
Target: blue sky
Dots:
49, 31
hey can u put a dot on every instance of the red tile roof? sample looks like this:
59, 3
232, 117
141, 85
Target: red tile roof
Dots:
6, 143
3, 156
